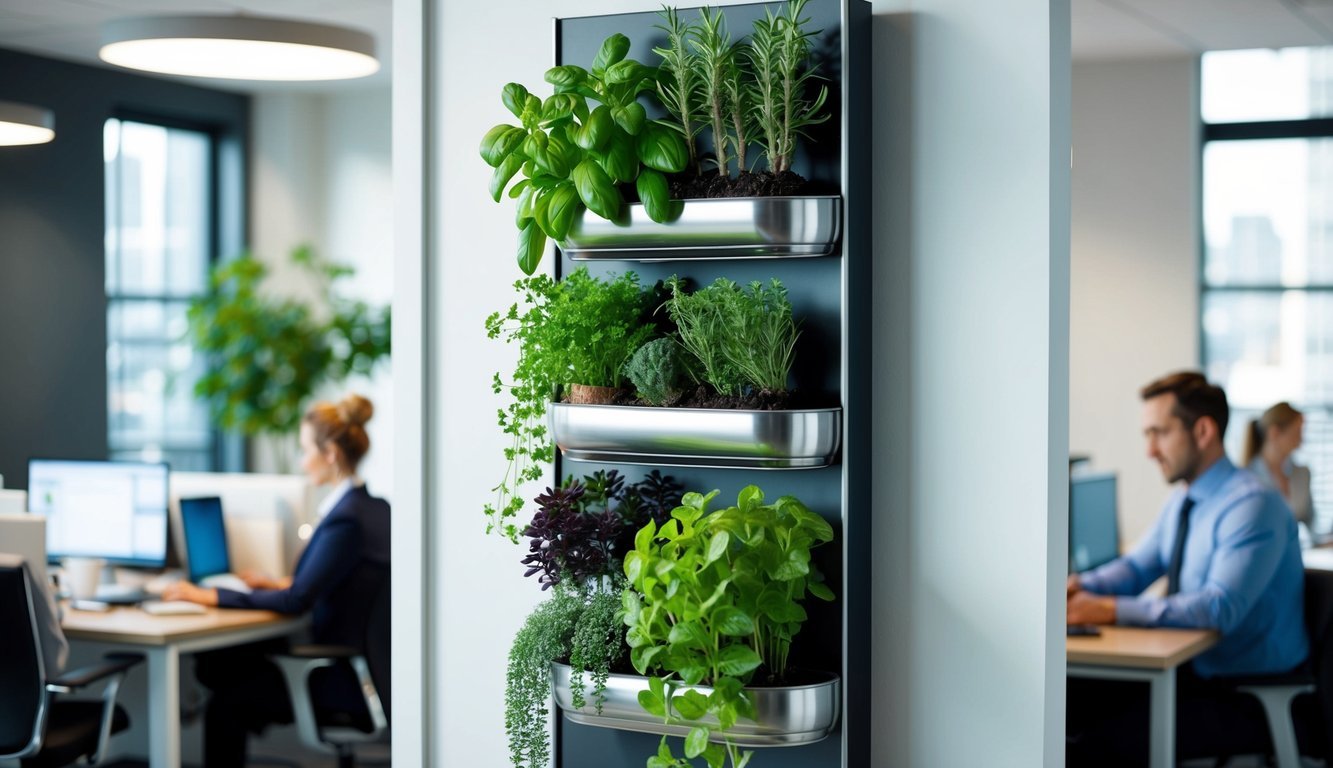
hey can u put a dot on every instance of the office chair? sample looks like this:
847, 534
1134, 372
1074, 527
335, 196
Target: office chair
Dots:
338, 732
35, 726
1277, 693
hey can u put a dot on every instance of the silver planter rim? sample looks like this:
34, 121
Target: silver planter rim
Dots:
807, 438
787, 715
796, 226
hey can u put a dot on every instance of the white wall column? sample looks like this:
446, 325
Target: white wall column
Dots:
972, 244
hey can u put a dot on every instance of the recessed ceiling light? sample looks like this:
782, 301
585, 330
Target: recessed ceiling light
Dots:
25, 124
239, 48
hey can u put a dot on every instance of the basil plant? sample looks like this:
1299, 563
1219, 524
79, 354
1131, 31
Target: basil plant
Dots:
573, 149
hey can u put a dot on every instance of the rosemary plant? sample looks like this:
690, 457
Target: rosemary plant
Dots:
680, 88
779, 47
714, 55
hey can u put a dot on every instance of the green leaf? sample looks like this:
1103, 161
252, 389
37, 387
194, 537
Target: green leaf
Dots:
688, 634
613, 50
715, 755
644, 538
653, 192
749, 497
531, 247
652, 703
630, 117
566, 76
717, 546
618, 158
732, 621
514, 97
499, 142
596, 129
820, 590
626, 72
503, 173
691, 705
562, 209
737, 660
696, 741
634, 565
662, 149
596, 189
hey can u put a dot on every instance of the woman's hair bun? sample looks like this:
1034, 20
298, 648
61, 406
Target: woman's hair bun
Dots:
355, 409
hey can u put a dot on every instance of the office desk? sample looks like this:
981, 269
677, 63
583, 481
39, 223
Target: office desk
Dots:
162, 639
1150, 655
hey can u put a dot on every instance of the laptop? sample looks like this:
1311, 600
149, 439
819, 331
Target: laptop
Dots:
207, 560
24, 534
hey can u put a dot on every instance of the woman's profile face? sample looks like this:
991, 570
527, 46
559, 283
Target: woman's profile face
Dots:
320, 466
1289, 438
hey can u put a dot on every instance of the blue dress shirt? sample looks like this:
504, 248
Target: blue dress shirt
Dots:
1241, 575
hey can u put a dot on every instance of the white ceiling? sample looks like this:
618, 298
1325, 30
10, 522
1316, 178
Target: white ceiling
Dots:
69, 29
1102, 29
1106, 29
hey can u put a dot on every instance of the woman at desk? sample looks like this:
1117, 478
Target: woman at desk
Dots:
1269, 443
350, 542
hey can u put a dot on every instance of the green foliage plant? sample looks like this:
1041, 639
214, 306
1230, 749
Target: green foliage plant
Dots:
580, 330
719, 74
656, 370
743, 337
576, 623
715, 599
701, 319
778, 50
573, 148
269, 354
681, 88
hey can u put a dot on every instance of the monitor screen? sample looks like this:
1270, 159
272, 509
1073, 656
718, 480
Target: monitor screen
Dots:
115, 510
1094, 533
205, 537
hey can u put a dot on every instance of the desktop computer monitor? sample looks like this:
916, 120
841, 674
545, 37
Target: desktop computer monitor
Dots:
1094, 532
116, 510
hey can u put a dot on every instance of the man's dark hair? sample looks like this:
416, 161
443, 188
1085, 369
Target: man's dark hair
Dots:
1195, 398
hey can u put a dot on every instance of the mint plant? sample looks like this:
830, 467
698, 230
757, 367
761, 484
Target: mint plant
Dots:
572, 155
715, 599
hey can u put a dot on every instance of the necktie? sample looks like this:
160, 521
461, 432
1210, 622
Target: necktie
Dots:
1178, 549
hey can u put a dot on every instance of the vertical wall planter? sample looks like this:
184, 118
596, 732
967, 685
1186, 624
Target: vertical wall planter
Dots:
705, 437
729, 228
786, 716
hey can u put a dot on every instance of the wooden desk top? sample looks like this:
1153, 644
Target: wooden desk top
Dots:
131, 625
1139, 647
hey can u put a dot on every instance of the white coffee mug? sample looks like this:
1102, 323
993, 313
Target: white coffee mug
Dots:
81, 575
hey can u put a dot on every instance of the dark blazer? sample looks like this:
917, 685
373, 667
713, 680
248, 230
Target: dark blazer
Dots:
337, 576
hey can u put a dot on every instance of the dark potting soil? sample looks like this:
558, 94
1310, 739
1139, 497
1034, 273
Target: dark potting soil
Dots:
745, 184
703, 396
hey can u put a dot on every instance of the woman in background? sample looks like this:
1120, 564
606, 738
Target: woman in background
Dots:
1269, 443
332, 579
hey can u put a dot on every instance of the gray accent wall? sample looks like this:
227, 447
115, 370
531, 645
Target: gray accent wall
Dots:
53, 399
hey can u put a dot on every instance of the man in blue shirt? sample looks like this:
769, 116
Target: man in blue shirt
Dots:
1227, 545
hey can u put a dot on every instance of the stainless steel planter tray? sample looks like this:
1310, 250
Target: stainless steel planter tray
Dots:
625, 434
787, 716
726, 228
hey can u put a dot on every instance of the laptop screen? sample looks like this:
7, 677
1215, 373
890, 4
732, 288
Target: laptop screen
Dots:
205, 537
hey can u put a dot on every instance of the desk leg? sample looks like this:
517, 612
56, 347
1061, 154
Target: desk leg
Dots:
164, 711
1162, 714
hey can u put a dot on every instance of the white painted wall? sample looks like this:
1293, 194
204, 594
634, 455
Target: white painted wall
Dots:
322, 174
972, 240
1135, 250
972, 104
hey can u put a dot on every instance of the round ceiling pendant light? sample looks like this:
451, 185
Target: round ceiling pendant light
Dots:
239, 48
25, 124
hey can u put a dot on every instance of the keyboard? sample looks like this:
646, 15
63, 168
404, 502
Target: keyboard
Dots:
225, 581
121, 594
172, 608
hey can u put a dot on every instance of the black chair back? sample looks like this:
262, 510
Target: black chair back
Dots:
22, 688
1319, 624
378, 641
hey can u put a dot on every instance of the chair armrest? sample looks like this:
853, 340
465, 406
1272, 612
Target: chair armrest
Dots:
322, 652
84, 676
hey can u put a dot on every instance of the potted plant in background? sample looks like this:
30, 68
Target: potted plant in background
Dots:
269, 354
713, 604
576, 540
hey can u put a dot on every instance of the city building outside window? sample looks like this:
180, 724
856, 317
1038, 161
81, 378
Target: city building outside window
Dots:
1267, 271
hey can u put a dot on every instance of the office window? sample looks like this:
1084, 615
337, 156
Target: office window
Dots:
159, 194
1267, 273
